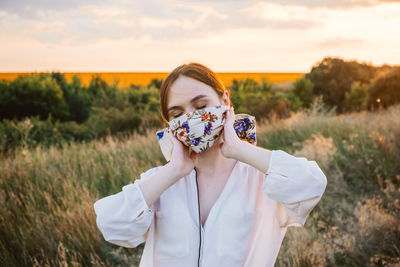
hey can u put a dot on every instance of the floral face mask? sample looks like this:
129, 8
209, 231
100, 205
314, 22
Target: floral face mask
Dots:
200, 129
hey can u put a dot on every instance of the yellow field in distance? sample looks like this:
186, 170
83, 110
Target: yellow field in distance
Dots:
125, 79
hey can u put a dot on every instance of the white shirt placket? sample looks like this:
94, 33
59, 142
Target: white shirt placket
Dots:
201, 246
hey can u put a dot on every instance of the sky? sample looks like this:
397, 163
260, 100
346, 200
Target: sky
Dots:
225, 35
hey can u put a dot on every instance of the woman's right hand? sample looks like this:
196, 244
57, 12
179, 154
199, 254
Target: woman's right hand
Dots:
180, 159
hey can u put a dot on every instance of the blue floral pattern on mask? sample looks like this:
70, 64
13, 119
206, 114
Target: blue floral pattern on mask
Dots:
207, 129
200, 129
196, 141
186, 126
160, 135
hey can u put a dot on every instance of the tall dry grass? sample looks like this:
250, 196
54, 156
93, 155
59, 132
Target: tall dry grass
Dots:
357, 222
47, 195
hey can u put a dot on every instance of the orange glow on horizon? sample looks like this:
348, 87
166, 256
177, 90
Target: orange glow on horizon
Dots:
125, 79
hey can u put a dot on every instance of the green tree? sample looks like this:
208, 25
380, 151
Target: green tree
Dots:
356, 99
33, 95
156, 83
333, 77
301, 94
385, 90
76, 97
258, 99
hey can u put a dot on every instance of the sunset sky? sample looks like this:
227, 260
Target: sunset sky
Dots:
225, 35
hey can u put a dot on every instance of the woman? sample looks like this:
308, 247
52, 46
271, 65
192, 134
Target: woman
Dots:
227, 203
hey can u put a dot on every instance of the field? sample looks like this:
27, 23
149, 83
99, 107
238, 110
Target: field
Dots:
47, 195
125, 79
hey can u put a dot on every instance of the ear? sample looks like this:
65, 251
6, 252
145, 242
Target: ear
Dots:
225, 98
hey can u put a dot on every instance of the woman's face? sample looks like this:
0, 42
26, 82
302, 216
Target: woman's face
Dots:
187, 94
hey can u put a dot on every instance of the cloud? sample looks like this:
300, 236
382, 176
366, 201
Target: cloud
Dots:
339, 42
88, 20
277, 16
83, 21
335, 4
229, 34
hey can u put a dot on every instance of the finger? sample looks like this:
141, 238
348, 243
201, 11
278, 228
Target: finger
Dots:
227, 115
172, 136
227, 118
231, 116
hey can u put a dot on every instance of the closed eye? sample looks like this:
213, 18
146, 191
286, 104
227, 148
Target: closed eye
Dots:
176, 116
180, 114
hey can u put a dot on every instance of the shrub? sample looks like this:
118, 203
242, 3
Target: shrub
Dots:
30, 96
301, 94
356, 99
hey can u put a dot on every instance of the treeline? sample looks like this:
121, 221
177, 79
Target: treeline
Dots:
47, 109
350, 86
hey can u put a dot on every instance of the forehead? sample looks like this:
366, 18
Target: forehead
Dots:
185, 88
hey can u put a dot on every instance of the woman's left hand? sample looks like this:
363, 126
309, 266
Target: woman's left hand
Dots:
230, 143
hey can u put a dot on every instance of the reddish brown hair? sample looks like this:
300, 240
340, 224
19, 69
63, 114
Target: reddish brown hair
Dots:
195, 71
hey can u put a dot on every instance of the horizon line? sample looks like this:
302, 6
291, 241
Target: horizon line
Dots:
294, 72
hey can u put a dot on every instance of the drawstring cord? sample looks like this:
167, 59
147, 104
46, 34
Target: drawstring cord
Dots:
198, 205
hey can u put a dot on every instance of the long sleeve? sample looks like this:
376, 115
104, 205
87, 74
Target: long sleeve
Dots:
118, 215
296, 183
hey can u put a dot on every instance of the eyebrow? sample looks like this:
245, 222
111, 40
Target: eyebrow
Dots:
191, 101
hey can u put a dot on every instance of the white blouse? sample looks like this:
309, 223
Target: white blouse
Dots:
245, 227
